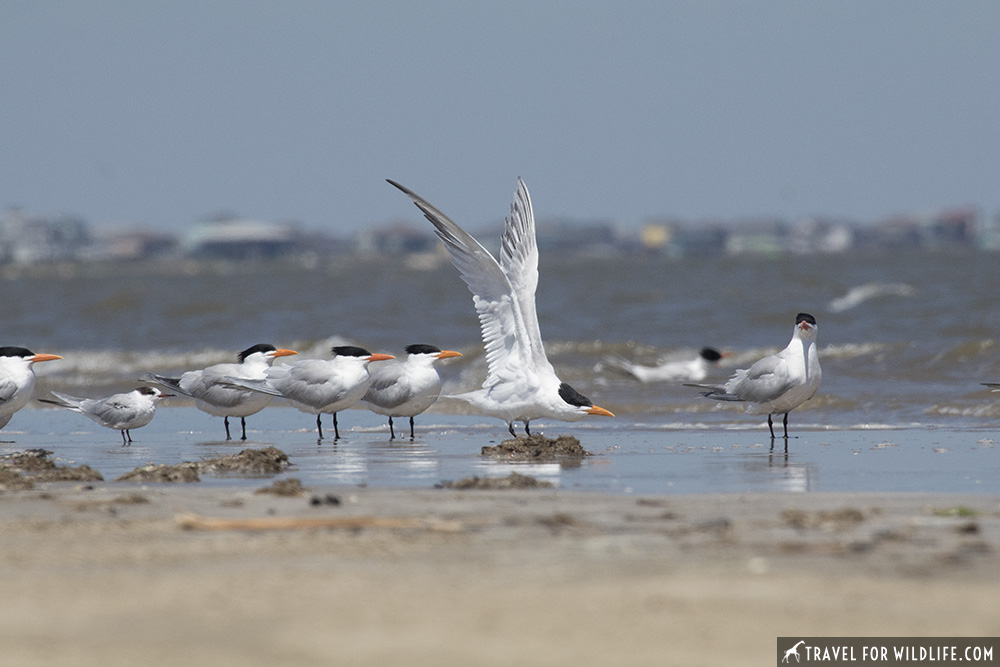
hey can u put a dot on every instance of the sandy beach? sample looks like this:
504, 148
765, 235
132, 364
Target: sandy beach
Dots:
113, 574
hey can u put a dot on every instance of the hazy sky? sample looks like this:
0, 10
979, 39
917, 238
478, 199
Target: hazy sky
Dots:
162, 113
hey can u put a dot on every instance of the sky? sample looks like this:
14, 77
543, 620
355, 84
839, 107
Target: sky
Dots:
161, 114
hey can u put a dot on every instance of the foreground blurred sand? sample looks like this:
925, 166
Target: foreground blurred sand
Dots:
113, 574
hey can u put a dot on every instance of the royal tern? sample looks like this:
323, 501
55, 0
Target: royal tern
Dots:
17, 379
319, 386
217, 397
406, 388
688, 369
780, 382
123, 412
521, 384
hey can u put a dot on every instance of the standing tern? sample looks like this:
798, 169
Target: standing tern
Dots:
122, 412
688, 369
17, 379
780, 382
521, 384
407, 388
214, 395
319, 386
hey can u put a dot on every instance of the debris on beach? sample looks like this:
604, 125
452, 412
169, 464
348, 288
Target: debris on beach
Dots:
833, 520
20, 470
161, 472
284, 487
511, 481
565, 449
267, 461
255, 524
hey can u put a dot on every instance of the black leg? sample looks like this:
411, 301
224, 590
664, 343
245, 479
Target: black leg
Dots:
243, 423
336, 431
770, 425
392, 431
786, 426
526, 427
510, 427
319, 424
124, 431
228, 437
411, 428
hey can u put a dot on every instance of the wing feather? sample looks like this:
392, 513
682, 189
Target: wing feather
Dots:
501, 316
519, 262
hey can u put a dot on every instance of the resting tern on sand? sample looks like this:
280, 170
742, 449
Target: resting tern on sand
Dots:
17, 379
122, 412
778, 383
319, 386
521, 384
214, 395
688, 369
406, 388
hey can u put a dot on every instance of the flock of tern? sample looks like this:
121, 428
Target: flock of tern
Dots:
521, 385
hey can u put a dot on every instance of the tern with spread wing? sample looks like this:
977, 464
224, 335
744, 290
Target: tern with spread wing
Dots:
17, 379
216, 396
319, 386
408, 387
122, 412
778, 383
521, 384
696, 369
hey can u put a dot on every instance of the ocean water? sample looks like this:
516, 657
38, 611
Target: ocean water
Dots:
904, 339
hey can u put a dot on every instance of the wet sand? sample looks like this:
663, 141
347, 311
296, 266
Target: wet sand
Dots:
103, 573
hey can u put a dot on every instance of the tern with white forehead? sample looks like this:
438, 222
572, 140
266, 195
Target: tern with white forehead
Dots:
214, 395
17, 379
122, 412
318, 386
778, 383
406, 388
521, 385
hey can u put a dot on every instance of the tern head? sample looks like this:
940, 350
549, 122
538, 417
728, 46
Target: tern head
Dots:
805, 326
26, 355
153, 393
710, 354
265, 350
430, 351
359, 353
579, 403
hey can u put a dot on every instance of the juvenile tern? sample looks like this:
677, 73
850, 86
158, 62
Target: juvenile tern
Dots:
521, 384
688, 369
319, 386
779, 382
17, 379
406, 388
122, 412
214, 395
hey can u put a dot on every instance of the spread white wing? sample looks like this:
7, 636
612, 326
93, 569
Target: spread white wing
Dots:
503, 293
519, 261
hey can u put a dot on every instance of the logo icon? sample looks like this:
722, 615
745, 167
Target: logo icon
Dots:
793, 651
